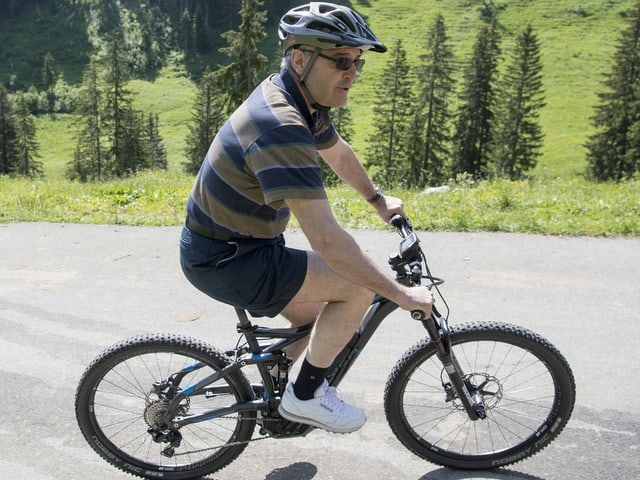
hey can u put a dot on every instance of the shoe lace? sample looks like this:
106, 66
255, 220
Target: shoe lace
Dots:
332, 401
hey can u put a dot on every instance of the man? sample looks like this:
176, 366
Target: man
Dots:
262, 166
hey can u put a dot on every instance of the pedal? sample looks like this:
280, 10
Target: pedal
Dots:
278, 427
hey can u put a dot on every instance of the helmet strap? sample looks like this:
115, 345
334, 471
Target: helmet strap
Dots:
301, 78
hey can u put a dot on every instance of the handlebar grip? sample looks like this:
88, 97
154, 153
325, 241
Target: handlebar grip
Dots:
401, 224
397, 220
418, 315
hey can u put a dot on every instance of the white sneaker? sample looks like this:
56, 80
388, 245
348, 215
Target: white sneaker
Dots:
324, 411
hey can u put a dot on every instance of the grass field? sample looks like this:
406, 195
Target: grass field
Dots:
556, 206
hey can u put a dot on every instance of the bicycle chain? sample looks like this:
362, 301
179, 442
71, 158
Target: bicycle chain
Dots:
232, 444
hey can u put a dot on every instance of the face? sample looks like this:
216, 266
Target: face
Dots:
327, 84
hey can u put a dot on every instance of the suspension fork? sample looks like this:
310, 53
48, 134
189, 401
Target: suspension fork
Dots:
438, 330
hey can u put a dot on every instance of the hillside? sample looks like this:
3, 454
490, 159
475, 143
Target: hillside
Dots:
577, 39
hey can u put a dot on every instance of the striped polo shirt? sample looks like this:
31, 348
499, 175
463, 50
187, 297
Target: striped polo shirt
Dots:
263, 155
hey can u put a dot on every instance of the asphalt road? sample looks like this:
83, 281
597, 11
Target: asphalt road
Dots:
68, 291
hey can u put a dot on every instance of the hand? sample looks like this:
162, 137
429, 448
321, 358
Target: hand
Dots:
388, 206
417, 298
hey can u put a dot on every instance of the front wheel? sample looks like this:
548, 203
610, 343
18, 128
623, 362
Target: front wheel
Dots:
126, 394
526, 384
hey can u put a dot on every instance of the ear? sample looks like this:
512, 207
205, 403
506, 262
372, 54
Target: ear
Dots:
298, 60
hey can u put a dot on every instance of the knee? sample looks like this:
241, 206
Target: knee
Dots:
302, 313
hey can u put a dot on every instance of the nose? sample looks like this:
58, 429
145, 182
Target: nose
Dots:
351, 72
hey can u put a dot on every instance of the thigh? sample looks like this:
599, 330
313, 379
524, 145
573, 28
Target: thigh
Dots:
323, 285
261, 278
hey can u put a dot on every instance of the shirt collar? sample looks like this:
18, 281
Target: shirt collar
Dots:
285, 81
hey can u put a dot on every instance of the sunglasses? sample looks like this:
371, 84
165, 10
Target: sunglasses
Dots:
342, 63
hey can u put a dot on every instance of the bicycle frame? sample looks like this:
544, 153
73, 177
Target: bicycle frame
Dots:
265, 357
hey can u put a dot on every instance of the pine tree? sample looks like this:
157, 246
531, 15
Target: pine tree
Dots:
430, 137
238, 78
49, 81
473, 133
26, 143
157, 152
201, 35
117, 102
126, 154
7, 134
518, 136
155, 35
48, 72
206, 119
89, 159
341, 118
187, 33
392, 112
134, 142
614, 150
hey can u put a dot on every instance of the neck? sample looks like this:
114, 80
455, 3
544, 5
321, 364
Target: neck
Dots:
312, 104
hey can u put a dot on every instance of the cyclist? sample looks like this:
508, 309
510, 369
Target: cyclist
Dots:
261, 167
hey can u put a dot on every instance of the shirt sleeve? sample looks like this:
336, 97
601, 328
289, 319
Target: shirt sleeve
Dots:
286, 165
327, 138
326, 135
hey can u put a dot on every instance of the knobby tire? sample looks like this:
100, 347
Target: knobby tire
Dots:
115, 406
527, 384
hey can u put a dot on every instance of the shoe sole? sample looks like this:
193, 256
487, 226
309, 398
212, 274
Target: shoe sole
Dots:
309, 421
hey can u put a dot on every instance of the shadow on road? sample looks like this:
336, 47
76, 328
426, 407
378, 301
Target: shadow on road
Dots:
299, 470
450, 474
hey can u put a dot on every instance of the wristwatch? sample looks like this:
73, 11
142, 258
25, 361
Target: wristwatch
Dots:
378, 195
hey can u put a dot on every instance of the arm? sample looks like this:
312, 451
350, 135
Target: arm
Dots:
343, 255
344, 161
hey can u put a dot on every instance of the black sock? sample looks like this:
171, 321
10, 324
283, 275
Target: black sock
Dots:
308, 381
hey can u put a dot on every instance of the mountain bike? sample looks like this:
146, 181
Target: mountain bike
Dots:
470, 396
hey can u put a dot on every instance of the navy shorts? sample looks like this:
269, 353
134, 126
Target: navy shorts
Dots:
261, 276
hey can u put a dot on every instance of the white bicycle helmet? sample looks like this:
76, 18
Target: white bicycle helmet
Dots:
326, 25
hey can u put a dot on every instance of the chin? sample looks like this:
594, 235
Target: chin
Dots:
339, 103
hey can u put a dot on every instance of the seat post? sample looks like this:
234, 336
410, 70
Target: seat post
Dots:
246, 328
242, 316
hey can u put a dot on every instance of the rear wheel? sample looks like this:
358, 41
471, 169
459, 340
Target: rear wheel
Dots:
124, 394
526, 384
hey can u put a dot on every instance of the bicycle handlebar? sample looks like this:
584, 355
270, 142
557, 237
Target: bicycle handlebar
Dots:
412, 257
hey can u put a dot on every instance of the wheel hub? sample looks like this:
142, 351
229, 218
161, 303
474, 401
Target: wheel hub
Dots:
486, 385
156, 410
